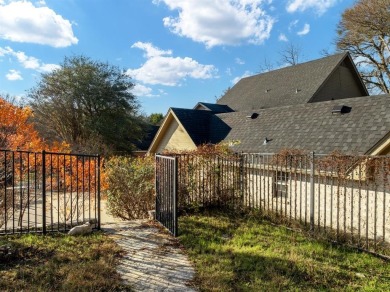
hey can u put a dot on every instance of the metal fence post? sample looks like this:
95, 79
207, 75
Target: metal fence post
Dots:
156, 186
98, 193
175, 197
242, 189
312, 191
44, 192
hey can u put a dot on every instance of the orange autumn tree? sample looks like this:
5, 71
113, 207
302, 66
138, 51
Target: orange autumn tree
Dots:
16, 131
21, 159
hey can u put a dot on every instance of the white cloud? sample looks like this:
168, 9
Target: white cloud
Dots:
219, 22
150, 50
21, 21
4, 51
161, 68
305, 29
320, 6
27, 62
238, 78
239, 61
13, 75
46, 68
282, 37
141, 90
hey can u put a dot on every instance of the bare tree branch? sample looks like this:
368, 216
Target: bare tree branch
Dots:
291, 54
364, 32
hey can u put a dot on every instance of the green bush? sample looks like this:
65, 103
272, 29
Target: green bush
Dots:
130, 187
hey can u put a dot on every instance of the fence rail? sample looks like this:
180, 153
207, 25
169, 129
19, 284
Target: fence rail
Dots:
345, 197
47, 191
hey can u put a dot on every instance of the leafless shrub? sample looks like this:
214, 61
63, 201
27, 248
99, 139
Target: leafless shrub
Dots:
130, 191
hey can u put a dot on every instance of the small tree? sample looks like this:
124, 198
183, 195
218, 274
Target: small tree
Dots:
156, 118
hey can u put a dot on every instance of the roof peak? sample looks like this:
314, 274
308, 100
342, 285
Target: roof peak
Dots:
312, 81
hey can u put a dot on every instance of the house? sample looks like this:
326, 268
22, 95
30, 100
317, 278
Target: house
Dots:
320, 106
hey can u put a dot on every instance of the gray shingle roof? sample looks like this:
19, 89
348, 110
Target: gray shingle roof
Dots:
196, 123
286, 86
217, 108
310, 126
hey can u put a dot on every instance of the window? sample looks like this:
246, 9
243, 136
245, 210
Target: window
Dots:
281, 184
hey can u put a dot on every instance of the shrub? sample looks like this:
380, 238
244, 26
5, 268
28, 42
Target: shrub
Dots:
130, 190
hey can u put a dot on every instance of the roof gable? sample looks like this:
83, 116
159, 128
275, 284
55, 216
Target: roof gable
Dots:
195, 122
286, 86
343, 82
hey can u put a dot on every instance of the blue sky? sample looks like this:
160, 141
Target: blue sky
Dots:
178, 52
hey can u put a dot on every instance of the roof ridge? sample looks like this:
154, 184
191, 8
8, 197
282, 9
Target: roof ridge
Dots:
298, 65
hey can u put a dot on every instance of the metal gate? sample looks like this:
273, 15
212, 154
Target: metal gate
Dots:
47, 191
166, 192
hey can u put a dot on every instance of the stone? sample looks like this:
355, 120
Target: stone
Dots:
360, 275
152, 214
81, 229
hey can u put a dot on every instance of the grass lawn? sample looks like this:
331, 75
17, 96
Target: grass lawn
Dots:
58, 262
247, 253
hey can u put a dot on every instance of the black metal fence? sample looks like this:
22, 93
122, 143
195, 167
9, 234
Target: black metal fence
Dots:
166, 192
47, 191
210, 180
346, 198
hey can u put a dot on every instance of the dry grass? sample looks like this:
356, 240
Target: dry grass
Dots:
59, 262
